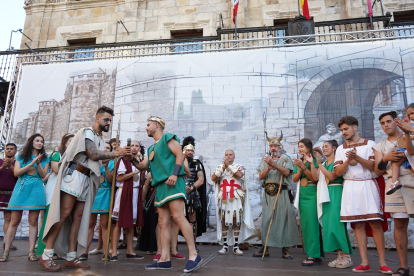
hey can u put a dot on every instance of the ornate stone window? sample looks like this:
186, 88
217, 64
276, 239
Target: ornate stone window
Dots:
91, 88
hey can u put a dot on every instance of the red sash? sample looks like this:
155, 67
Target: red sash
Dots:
231, 185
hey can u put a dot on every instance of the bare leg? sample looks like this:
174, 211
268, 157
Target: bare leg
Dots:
174, 236
378, 235
361, 237
395, 171
164, 216
158, 235
33, 220
116, 233
192, 218
42, 213
67, 202
103, 225
6, 223
92, 223
74, 229
16, 217
176, 207
100, 237
129, 233
401, 240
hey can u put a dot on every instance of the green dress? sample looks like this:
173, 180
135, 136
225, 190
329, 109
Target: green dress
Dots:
284, 231
335, 234
40, 244
308, 210
162, 166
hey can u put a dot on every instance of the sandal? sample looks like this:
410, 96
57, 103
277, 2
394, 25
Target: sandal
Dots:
4, 256
259, 253
345, 261
286, 254
313, 261
402, 272
32, 256
337, 260
394, 187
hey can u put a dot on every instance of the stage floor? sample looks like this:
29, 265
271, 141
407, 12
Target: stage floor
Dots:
213, 264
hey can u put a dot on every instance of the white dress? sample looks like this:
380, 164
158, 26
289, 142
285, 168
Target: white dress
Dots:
122, 170
360, 197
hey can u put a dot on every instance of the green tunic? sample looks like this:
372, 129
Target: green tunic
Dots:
311, 230
284, 231
335, 234
162, 167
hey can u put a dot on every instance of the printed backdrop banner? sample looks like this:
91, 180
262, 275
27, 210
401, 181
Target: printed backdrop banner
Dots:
220, 99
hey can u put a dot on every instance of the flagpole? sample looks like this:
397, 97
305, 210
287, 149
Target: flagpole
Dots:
299, 7
235, 26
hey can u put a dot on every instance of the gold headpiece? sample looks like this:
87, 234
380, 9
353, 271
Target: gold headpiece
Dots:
188, 147
188, 144
274, 140
158, 120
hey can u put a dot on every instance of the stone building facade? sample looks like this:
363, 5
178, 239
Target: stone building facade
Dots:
54, 23
86, 91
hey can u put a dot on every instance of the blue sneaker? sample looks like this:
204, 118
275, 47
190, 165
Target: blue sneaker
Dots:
160, 265
191, 265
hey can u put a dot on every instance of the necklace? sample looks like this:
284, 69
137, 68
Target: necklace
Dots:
351, 145
159, 138
395, 144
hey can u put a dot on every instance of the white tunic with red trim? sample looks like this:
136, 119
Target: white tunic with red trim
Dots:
360, 196
232, 201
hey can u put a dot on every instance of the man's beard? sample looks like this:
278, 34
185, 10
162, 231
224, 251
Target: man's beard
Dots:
350, 137
104, 128
276, 153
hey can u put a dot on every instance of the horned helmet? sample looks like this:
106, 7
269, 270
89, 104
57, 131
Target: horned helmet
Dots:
275, 140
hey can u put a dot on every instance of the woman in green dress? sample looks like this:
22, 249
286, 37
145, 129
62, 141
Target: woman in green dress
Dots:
335, 234
50, 185
306, 172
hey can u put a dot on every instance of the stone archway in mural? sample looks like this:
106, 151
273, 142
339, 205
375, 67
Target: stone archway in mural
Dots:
350, 92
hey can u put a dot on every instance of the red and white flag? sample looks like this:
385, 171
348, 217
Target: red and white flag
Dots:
235, 6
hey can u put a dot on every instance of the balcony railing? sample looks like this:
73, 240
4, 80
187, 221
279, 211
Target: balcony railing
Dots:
349, 30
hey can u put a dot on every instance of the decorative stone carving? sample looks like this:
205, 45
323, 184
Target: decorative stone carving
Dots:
81, 35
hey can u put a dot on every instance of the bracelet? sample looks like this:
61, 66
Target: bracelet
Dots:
177, 170
382, 165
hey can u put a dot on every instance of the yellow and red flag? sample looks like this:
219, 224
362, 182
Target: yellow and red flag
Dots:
305, 8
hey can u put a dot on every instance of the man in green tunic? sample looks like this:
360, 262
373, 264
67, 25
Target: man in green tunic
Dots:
284, 231
166, 160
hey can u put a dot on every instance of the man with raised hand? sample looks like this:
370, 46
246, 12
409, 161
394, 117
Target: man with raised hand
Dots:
78, 180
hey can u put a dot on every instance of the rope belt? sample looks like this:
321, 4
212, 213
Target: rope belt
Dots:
123, 186
105, 188
336, 184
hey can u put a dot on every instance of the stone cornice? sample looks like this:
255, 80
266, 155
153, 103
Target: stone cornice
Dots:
74, 5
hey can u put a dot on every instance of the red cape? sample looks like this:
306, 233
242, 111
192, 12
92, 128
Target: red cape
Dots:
126, 209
